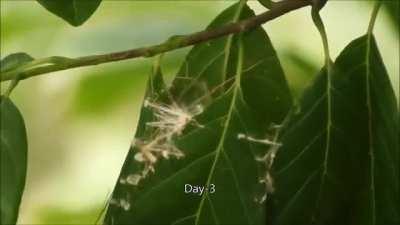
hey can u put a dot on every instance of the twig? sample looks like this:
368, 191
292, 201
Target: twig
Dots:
175, 42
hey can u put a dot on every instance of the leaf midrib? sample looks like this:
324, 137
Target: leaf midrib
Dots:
236, 89
220, 146
369, 108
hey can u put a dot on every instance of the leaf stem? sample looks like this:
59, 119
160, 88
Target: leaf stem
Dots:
321, 29
47, 65
10, 88
328, 64
374, 16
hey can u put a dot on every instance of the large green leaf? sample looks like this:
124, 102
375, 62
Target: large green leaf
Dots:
339, 160
241, 86
13, 160
75, 12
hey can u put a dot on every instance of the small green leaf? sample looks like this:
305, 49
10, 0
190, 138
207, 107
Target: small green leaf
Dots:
75, 12
13, 61
339, 160
239, 83
13, 160
267, 3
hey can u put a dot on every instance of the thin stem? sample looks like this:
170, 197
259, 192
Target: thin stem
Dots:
230, 39
329, 103
321, 29
10, 88
374, 16
49, 65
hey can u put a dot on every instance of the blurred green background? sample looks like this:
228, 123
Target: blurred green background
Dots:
80, 122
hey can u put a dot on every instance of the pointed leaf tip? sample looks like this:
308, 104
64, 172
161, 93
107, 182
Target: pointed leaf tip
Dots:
75, 12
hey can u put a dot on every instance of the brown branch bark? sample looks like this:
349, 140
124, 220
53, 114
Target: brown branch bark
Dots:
53, 64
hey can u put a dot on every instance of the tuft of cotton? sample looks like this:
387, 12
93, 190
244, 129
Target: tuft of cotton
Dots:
266, 159
122, 203
170, 120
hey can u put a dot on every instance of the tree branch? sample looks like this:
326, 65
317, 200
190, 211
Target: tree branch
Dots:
56, 63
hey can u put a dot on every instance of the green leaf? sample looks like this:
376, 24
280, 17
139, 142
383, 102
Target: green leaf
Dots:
241, 87
267, 3
13, 61
75, 12
339, 160
13, 160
